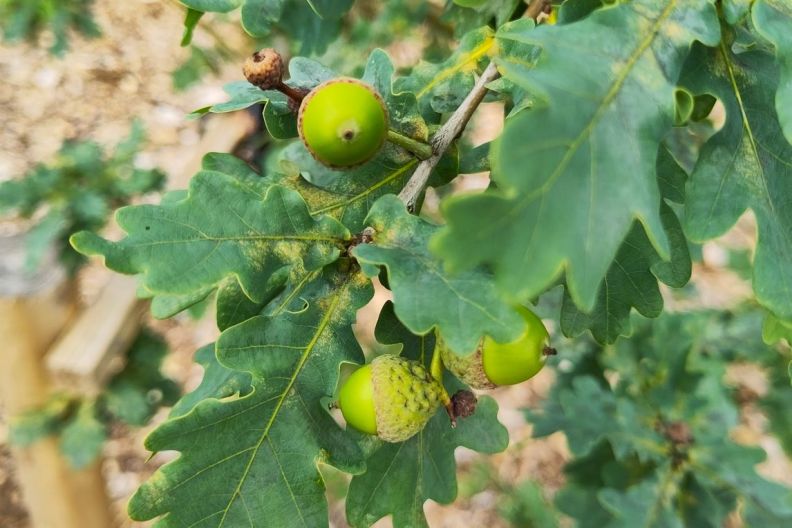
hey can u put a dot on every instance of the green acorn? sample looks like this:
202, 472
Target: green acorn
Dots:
343, 122
493, 364
391, 397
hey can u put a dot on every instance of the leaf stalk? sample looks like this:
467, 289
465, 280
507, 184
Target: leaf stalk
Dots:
421, 150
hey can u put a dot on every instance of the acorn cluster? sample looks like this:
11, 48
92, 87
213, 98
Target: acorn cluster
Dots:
343, 123
394, 398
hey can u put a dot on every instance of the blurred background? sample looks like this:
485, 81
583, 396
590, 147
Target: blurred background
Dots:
99, 119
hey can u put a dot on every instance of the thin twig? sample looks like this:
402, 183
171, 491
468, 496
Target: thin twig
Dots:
445, 136
536, 8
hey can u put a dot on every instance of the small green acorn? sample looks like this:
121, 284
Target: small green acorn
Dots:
343, 122
391, 397
493, 364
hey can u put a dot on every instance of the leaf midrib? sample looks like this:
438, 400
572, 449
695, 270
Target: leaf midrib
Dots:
603, 107
474, 55
520, 204
344, 203
755, 151
298, 369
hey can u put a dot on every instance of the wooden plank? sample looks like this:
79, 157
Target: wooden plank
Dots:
34, 307
92, 351
94, 348
221, 134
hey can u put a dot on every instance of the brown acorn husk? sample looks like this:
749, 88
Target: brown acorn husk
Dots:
264, 69
469, 369
405, 397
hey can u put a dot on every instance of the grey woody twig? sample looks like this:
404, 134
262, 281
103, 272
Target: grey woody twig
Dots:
442, 140
536, 8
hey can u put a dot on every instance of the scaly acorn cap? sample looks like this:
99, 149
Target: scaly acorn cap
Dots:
405, 397
391, 397
469, 369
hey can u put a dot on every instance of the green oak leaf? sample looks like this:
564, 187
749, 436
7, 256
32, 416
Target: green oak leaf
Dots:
462, 307
652, 441
570, 12
213, 6
233, 306
254, 456
474, 159
670, 176
747, 164
645, 504
773, 20
137, 392
632, 279
631, 282
775, 329
588, 413
732, 467
705, 507
230, 164
166, 306
32, 425
26, 19
403, 112
463, 19
218, 382
315, 24
191, 19
401, 477
83, 436
223, 228
241, 95
75, 192
525, 504
521, 56
776, 405
312, 23
41, 238
735, 10
582, 505
575, 172
344, 195
442, 87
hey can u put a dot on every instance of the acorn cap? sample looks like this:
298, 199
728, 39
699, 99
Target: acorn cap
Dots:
469, 369
264, 69
405, 397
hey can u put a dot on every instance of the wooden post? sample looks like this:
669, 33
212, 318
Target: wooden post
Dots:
34, 308
93, 349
